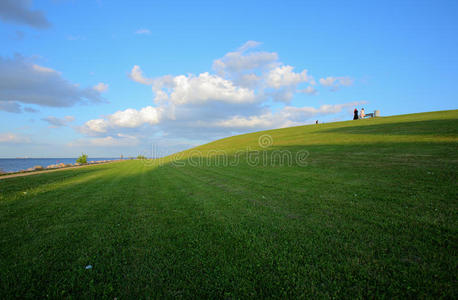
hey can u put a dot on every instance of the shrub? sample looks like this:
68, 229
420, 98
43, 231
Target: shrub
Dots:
82, 159
141, 157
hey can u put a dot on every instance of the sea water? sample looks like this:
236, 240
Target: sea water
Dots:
18, 164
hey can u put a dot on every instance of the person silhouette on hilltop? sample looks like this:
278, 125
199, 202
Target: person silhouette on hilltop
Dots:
355, 114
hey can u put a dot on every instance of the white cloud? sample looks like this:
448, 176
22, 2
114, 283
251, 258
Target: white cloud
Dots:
95, 126
243, 60
129, 118
136, 74
260, 70
248, 45
309, 90
143, 31
329, 81
297, 113
335, 82
200, 89
286, 117
101, 87
250, 80
44, 69
236, 98
284, 76
58, 122
26, 82
19, 11
12, 138
252, 122
116, 141
119, 140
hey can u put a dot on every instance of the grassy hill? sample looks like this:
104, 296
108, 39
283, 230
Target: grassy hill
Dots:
364, 208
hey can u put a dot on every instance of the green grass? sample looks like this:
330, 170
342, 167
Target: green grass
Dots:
373, 213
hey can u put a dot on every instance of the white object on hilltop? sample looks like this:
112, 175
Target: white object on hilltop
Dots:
376, 113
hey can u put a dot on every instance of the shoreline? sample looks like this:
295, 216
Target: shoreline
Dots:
48, 170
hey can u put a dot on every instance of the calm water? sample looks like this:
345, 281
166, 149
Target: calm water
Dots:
17, 164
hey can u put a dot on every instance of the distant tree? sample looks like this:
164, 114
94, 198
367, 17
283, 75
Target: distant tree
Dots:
141, 156
82, 159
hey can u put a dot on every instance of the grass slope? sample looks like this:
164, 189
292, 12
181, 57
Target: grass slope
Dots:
372, 213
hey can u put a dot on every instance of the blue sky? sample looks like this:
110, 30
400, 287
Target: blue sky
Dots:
115, 77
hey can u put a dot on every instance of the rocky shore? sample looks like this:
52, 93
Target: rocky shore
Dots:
57, 166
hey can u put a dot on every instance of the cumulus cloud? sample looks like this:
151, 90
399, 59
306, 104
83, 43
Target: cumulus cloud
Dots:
59, 122
129, 118
23, 81
335, 82
143, 31
95, 126
136, 74
19, 12
235, 98
262, 71
285, 83
13, 138
200, 89
101, 87
284, 76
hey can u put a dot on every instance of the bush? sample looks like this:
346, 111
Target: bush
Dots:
141, 157
82, 159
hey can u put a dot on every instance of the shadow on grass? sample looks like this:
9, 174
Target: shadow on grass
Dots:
16, 184
429, 127
355, 154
